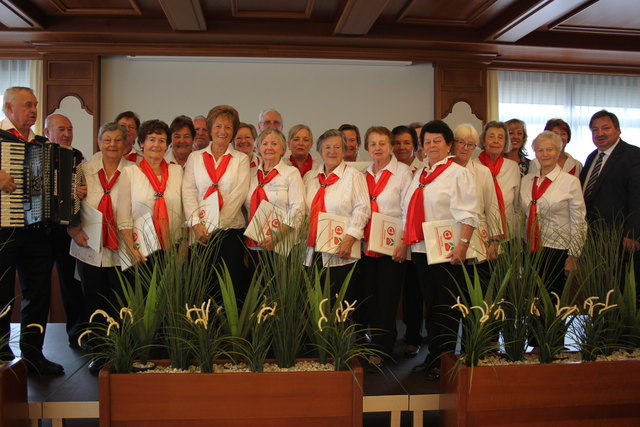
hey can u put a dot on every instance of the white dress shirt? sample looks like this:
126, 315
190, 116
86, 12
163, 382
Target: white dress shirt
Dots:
347, 197
233, 187
607, 154
569, 164
488, 210
90, 169
452, 195
561, 210
6, 124
509, 182
137, 198
416, 164
171, 159
285, 191
390, 200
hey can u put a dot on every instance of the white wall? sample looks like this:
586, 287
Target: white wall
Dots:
322, 95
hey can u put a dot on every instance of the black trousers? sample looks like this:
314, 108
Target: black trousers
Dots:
383, 279
439, 290
231, 252
552, 269
412, 305
70, 288
29, 252
337, 276
102, 289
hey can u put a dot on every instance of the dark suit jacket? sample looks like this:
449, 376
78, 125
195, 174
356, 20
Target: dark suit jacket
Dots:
616, 195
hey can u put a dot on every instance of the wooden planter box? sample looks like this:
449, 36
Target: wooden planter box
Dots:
573, 394
14, 411
266, 399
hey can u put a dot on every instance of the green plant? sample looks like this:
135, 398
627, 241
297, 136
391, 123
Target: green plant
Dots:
113, 340
284, 278
482, 316
256, 348
205, 335
549, 321
628, 312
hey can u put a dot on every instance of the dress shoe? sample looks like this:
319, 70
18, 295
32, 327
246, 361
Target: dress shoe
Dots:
84, 345
96, 364
433, 374
41, 366
374, 365
411, 351
6, 354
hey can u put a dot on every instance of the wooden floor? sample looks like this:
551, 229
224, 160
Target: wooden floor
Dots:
392, 397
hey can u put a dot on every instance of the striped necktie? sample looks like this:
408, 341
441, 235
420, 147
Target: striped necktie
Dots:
593, 178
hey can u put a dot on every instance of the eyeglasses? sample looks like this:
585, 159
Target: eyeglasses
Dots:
468, 145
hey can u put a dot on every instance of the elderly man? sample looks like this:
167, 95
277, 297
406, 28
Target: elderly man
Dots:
270, 119
202, 138
611, 181
27, 250
59, 130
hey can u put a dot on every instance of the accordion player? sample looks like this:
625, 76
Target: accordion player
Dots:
46, 176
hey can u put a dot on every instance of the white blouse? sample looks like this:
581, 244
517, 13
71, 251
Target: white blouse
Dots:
170, 158
137, 198
347, 197
416, 164
452, 195
569, 164
390, 200
106, 257
509, 182
285, 191
233, 187
488, 210
561, 210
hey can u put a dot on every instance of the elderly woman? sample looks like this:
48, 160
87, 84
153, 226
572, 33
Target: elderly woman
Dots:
300, 141
494, 142
387, 179
181, 133
405, 145
553, 204
152, 188
518, 151
99, 279
466, 140
222, 172
565, 160
244, 142
441, 190
339, 189
277, 183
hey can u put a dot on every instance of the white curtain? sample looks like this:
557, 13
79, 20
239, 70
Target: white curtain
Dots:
536, 97
13, 73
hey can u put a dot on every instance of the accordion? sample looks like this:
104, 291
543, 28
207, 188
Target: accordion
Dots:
46, 176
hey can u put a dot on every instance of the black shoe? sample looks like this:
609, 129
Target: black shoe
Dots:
433, 374
6, 354
84, 345
96, 364
41, 366
373, 368
411, 351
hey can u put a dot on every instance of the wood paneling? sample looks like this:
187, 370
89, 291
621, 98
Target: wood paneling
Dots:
455, 82
72, 75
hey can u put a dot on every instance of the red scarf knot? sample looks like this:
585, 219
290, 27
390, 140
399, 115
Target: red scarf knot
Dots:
318, 205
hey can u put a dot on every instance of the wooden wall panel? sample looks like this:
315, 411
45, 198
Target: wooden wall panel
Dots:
455, 82
72, 75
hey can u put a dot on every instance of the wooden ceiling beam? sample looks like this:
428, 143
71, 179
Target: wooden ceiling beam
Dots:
184, 15
20, 14
358, 16
515, 24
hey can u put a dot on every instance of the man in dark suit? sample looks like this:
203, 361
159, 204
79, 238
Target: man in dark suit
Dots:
611, 182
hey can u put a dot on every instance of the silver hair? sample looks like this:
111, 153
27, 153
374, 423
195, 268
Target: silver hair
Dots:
547, 135
10, 93
465, 130
330, 134
268, 110
497, 125
111, 126
279, 135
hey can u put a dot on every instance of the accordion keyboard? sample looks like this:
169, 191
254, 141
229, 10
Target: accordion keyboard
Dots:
12, 156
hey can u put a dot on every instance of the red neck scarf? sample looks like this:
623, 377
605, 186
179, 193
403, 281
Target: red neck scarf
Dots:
533, 226
304, 167
495, 168
374, 191
259, 195
160, 213
132, 157
415, 213
215, 174
109, 232
573, 171
17, 134
317, 205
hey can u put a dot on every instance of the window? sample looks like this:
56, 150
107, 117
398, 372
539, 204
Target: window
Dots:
535, 97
